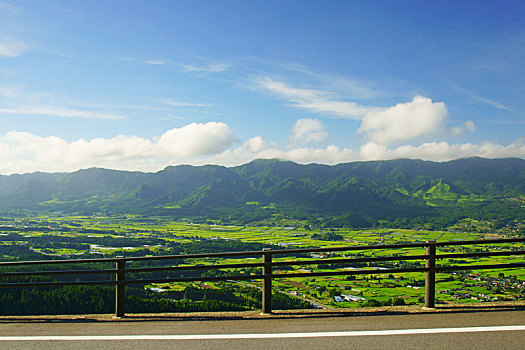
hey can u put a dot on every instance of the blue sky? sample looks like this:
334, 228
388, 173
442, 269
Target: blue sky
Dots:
140, 85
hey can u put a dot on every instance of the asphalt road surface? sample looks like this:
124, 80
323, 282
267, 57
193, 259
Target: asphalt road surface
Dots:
475, 330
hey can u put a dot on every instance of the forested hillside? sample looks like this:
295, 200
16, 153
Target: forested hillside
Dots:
359, 194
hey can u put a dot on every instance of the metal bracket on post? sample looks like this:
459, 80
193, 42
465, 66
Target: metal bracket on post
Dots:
430, 276
267, 282
120, 287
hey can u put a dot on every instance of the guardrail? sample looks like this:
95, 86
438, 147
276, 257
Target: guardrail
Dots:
267, 275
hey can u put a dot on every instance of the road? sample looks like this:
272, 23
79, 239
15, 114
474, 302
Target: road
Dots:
414, 331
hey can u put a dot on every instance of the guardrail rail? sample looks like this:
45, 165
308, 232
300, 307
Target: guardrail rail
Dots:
267, 274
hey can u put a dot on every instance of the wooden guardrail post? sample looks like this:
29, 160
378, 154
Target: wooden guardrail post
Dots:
430, 276
120, 287
267, 281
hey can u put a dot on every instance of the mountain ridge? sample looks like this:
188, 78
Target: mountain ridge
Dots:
369, 192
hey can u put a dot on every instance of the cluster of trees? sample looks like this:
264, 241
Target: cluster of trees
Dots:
328, 236
101, 299
390, 302
14, 249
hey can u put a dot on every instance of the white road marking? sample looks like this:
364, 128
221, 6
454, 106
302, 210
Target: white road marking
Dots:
262, 335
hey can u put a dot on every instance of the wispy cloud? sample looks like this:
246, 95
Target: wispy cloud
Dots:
418, 120
110, 106
8, 7
12, 47
478, 98
491, 102
209, 68
17, 99
314, 100
19, 94
205, 66
212, 68
509, 122
174, 103
60, 112
353, 88
155, 62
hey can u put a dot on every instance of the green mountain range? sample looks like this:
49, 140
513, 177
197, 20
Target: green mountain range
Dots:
358, 194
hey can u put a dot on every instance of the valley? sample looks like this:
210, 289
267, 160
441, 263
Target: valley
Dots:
85, 237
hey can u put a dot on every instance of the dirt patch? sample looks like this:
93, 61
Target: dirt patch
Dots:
293, 284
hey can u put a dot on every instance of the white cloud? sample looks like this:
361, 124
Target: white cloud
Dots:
469, 126
420, 119
252, 149
209, 143
119, 148
317, 101
24, 152
329, 155
443, 151
257, 148
341, 109
308, 130
10, 47
257, 144
466, 126
212, 68
197, 139
60, 112
373, 151
434, 151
